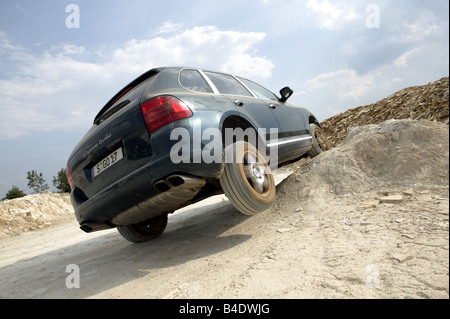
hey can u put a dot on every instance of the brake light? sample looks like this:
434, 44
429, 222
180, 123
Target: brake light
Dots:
163, 110
69, 177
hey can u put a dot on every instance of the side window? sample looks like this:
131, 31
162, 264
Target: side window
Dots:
260, 91
193, 80
226, 84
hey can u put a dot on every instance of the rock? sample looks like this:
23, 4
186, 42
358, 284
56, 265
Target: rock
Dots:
391, 199
370, 204
299, 209
283, 230
402, 258
408, 192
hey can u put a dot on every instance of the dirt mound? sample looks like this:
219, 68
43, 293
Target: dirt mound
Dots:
33, 212
393, 153
376, 204
428, 102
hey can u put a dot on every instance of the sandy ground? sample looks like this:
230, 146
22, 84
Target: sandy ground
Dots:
378, 232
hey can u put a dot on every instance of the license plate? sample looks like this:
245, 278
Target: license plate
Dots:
107, 162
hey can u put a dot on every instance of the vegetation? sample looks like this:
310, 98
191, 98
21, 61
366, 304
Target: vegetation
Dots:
60, 181
14, 192
37, 183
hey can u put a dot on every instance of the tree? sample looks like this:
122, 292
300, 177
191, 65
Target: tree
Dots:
60, 181
14, 192
36, 181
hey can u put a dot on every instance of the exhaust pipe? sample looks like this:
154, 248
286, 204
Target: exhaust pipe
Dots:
178, 180
162, 186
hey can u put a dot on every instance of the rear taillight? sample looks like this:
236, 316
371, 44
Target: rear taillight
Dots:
163, 110
69, 177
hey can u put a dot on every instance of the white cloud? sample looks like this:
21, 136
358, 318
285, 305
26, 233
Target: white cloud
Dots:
330, 16
345, 83
168, 27
425, 27
61, 89
402, 61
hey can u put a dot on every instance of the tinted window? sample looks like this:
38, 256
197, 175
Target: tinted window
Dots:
135, 92
226, 84
193, 80
127, 95
260, 91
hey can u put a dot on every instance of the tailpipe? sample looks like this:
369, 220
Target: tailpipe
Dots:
179, 181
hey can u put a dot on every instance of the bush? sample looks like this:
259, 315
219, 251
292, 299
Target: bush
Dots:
14, 192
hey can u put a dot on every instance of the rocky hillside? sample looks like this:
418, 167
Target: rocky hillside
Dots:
429, 102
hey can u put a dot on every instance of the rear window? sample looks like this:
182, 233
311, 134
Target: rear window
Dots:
129, 94
226, 84
133, 93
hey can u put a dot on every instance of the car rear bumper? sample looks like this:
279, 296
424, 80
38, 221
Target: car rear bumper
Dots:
153, 189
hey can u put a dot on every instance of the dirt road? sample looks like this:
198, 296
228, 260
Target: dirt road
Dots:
378, 231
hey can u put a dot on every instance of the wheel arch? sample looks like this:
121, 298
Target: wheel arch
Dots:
235, 121
312, 120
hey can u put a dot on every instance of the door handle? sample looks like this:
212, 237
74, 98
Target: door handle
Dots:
238, 103
272, 106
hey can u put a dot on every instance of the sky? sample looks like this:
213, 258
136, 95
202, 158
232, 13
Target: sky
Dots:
61, 61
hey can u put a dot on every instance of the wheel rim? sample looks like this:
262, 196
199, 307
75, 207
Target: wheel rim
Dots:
255, 173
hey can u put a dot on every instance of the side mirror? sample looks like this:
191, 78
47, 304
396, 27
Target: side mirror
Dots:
285, 93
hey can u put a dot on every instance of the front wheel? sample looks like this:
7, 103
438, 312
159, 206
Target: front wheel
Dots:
144, 231
247, 180
320, 142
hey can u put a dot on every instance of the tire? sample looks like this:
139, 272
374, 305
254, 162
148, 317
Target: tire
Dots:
144, 231
320, 142
247, 180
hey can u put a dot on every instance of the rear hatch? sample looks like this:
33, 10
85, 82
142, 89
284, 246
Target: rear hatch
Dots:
117, 136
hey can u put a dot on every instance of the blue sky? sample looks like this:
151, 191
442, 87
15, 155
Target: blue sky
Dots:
335, 55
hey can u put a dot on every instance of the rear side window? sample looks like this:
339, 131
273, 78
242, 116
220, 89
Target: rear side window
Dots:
226, 84
193, 80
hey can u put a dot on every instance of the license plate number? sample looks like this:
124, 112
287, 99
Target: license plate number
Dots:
107, 162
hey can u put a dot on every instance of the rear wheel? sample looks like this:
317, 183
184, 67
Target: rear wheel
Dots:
320, 142
247, 180
144, 231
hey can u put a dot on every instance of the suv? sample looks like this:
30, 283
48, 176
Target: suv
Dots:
175, 136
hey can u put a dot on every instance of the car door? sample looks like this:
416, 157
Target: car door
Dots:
252, 108
294, 138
